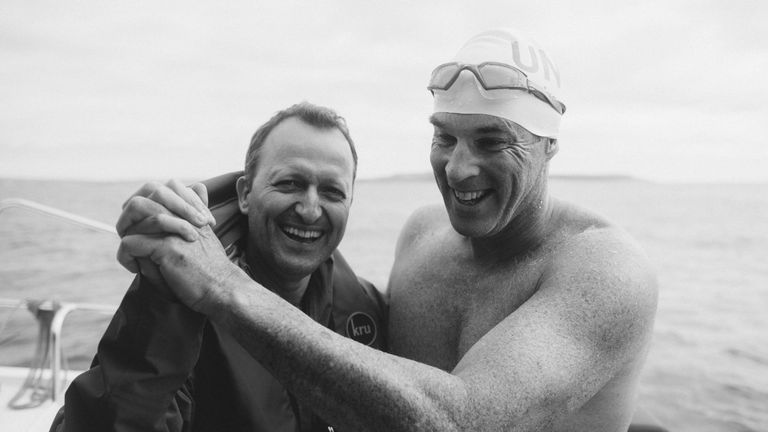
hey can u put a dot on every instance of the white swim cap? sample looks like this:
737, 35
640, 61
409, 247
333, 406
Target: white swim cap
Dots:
533, 103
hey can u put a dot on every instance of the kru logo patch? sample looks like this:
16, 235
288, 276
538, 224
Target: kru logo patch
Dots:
361, 328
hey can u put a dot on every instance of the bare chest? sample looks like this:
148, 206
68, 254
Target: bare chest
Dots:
442, 305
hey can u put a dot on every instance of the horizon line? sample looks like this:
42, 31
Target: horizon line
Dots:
413, 176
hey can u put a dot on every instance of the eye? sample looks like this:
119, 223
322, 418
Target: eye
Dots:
443, 140
494, 143
288, 185
334, 193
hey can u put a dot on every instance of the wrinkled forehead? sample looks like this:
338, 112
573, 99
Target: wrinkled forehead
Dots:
476, 123
448, 119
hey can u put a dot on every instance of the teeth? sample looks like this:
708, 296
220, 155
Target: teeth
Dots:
468, 196
305, 234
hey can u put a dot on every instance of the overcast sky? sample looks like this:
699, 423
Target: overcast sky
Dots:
666, 91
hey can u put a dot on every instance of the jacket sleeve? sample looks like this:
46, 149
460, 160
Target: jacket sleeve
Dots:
140, 379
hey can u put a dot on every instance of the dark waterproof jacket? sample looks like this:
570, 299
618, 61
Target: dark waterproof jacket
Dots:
162, 367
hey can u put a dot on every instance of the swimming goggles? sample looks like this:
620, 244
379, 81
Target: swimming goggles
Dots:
492, 76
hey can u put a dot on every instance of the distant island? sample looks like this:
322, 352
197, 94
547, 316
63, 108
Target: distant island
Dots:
600, 177
582, 177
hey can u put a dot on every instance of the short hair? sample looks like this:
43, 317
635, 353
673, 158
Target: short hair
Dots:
314, 115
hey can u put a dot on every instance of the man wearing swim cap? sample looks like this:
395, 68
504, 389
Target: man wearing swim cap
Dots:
510, 310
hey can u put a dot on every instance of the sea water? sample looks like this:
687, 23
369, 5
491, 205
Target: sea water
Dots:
708, 366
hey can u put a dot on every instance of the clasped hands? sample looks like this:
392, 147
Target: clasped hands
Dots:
167, 237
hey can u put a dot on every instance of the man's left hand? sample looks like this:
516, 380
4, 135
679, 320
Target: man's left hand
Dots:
193, 270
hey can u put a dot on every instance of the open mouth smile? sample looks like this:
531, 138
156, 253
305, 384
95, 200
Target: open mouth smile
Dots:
470, 198
301, 235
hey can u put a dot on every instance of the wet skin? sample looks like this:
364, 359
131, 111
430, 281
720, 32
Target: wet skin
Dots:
494, 285
489, 172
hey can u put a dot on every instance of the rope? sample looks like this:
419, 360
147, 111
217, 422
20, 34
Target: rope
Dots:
36, 389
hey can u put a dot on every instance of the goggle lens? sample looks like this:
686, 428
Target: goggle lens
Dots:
443, 76
491, 76
496, 76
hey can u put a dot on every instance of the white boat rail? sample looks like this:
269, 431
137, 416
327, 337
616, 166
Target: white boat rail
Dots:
50, 317
9, 203
51, 314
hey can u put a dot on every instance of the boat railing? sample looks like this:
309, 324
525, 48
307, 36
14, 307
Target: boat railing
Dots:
51, 314
65, 216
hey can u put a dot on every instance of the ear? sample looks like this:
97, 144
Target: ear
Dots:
243, 188
552, 147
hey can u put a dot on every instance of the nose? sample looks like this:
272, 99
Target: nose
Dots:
308, 207
462, 163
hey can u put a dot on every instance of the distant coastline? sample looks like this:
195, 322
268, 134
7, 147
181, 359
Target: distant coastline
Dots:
428, 176
9, 182
408, 177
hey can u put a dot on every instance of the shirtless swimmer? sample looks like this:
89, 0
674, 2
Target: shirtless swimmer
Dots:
510, 310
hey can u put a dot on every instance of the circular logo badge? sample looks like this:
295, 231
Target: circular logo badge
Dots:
361, 328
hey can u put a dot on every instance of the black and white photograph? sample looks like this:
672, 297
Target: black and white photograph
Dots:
343, 216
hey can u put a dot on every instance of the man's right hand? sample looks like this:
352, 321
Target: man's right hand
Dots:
161, 210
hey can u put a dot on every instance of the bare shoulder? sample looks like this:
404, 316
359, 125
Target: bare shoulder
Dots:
593, 244
604, 276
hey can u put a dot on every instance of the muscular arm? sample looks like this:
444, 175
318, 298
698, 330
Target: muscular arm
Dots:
350, 385
591, 318
591, 315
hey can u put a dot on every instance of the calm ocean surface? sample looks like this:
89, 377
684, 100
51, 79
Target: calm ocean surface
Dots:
708, 367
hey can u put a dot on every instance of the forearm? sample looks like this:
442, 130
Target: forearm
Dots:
346, 383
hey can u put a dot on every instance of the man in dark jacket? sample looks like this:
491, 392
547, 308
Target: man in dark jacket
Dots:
280, 223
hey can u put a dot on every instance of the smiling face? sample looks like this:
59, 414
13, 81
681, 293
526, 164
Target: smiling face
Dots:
299, 199
488, 170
